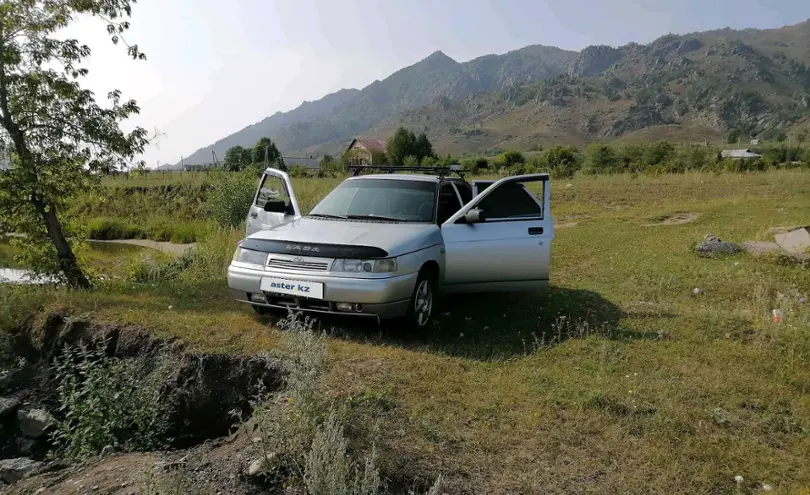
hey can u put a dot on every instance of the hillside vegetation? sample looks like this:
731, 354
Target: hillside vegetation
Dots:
679, 87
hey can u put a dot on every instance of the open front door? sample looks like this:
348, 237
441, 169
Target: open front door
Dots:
274, 202
506, 243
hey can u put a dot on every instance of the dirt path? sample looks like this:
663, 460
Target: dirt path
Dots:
166, 247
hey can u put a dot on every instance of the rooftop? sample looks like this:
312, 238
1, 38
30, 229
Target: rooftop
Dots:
371, 144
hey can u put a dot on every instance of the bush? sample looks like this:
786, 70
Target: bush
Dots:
411, 161
563, 161
658, 153
602, 159
329, 167
298, 171
475, 164
232, 196
510, 158
109, 401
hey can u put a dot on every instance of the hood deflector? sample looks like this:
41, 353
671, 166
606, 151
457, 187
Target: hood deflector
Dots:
313, 249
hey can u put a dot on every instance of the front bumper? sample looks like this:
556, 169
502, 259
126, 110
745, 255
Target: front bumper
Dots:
383, 298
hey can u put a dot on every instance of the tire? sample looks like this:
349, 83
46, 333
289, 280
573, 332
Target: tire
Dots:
423, 301
261, 310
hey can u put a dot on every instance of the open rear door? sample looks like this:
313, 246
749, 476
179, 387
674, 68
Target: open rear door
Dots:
509, 245
274, 202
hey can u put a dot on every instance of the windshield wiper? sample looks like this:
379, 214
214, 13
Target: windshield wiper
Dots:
324, 215
373, 217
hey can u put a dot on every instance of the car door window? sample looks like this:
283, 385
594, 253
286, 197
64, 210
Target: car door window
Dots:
448, 202
510, 201
272, 188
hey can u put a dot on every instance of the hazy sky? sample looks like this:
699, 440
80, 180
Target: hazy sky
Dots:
216, 66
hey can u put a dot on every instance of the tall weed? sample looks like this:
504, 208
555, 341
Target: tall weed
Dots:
109, 401
232, 196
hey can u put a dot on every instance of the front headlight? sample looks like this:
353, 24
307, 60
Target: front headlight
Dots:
249, 256
387, 265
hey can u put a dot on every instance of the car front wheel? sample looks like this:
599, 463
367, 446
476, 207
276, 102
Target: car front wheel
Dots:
423, 300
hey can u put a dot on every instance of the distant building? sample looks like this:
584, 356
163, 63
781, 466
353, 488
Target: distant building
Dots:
737, 154
755, 142
367, 151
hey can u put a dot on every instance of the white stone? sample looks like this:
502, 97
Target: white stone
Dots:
13, 470
795, 242
263, 465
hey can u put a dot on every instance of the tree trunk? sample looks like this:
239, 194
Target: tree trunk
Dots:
67, 259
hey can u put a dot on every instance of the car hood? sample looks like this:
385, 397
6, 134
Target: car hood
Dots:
395, 238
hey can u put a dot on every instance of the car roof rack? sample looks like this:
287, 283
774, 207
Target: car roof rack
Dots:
442, 172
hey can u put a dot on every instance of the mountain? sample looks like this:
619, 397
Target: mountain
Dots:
341, 116
678, 87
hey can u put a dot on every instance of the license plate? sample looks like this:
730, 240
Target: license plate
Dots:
299, 288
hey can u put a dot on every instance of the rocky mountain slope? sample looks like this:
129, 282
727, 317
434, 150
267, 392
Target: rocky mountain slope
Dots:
342, 115
679, 87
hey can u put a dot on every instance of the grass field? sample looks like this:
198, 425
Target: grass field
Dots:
619, 379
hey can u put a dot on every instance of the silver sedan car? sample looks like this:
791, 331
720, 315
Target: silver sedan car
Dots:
385, 246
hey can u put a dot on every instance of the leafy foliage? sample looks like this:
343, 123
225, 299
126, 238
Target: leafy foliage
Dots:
108, 401
405, 143
232, 196
265, 151
56, 133
563, 161
238, 158
732, 136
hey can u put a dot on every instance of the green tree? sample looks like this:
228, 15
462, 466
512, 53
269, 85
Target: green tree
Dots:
563, 161
58, 138
401, 144
266, 148
781, 137
237, 158
658, 153
732, 136
510, 158
423, 147
602, 158
801, 137
330, 166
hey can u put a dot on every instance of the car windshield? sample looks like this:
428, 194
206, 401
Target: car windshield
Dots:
386, 199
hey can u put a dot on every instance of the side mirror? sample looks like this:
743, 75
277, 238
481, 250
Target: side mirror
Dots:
275, 206
475, 216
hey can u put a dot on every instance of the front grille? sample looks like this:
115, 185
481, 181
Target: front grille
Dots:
310, 265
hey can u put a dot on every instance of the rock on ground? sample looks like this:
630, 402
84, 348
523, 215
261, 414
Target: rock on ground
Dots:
8, 405
713, 246
34, 422
759, 248
795, 242
13, 470
263, 465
